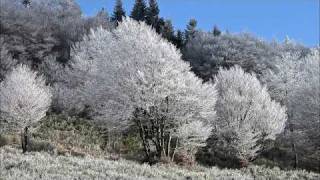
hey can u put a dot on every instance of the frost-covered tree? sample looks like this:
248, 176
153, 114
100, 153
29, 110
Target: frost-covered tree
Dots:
307, 93
24, 100
134, 77
289, 46
247, 116
101, 19
207, 52
306, 108
295, 83
193, 135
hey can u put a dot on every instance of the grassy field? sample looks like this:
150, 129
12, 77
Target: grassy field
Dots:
41, 165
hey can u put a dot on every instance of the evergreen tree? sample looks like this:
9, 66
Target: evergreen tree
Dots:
139, 11
216, 31
191, 29
167, 31
118, 12
159, 25
152, 14
26, 3
178, 40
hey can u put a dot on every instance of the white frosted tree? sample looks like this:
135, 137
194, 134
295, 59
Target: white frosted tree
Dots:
191, 136
307, 94
24, 100
246, 115
64, 97
295, 83
132, 76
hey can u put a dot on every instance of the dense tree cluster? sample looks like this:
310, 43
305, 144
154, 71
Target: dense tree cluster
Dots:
229, 93
206, 52
149, 13
44, 28
139, 10
295, 83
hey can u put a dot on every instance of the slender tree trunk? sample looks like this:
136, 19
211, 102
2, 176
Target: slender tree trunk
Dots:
24, 139
142, 133
293, 146
295, 164
291, 128
109, 139
174, 150
144, 142
168, 146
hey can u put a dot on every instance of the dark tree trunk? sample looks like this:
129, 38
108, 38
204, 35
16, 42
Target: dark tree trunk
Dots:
24, 139
145, 144
295, 165
291, 128
293, 147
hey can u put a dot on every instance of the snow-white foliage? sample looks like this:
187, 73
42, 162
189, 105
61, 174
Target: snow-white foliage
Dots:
291, 46
306, 98
246, 113
193, 135
24, 98
64, 98
283, 78
295, 82
34, 165
101, 19
132, 69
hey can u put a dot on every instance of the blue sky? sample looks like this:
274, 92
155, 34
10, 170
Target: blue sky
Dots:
268, 19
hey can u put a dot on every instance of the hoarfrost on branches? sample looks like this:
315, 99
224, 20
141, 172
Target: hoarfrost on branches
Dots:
133, 76
246, 114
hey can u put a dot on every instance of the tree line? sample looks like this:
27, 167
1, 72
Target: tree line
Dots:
150, 14
220, 96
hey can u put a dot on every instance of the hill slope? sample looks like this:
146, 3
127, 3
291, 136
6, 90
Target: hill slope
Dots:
35, 165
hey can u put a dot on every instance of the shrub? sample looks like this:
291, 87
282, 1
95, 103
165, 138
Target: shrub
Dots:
70, 134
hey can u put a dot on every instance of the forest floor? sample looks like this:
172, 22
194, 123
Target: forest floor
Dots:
42, 165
